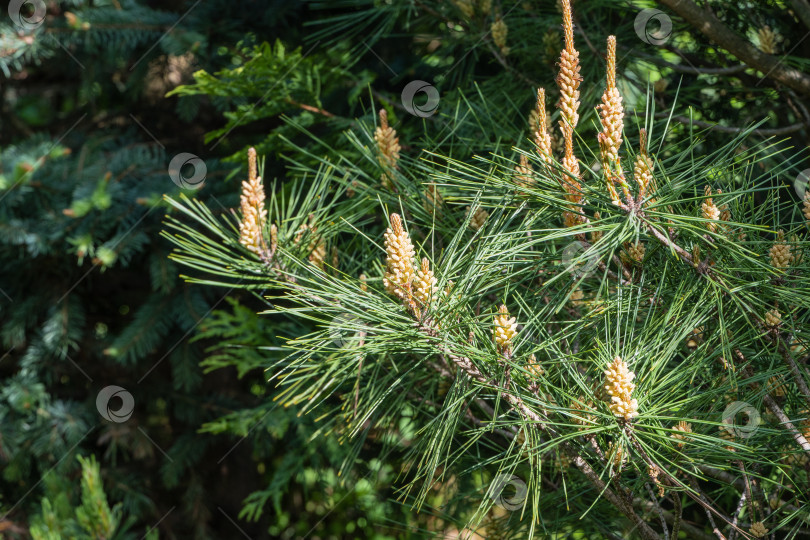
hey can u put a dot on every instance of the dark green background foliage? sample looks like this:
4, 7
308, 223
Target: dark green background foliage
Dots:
98, 100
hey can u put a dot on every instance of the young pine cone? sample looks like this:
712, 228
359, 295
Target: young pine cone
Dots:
780, 254
478, 218
758, 529
682, 430
499, 31
400, 254
505, 329
773, 318
620, 387
425, 285
387, 148
254, 215
709, 210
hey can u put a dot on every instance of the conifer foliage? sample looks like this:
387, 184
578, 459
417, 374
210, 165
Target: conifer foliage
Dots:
623, 343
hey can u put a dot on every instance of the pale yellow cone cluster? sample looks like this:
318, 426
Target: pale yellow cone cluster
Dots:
780, 252
611, 113
568, 81
425, 289
682, 431
759, 530
433, 199
620, 388
634, 252
523, 172
478, 218
387, 148
776, 386
539, 124
399, 271
643, 167
533, 367
709, 210
504, 330
363, 283
768, 40
499, 30
773, 318
254, 215
317, 245
618, 454
467, 7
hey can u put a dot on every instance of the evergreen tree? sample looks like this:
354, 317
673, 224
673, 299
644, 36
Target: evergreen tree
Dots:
613, 323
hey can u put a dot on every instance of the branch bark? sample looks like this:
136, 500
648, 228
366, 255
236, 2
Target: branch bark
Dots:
714, 29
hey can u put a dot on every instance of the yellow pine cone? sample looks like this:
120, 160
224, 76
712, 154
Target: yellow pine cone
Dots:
568, 78
620, 388
425, 285
387, 147
485, 6
550, 45
709, 210
768, 40
682, 428
478, 218
254, 215
533, 367
643, 167
776, 386
433, 199
523, 172
539, 123
758, 529
635, 252
499, 31
505, 329
363, 283
399, 272
611, 111
619, 457
467, 7
318, 252
780, 252
773, 318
